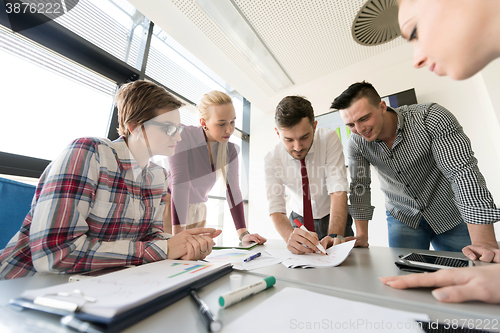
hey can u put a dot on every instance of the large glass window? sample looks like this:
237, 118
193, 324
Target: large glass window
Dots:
60, 85
170, 67
175, 67
114, 26
48, 100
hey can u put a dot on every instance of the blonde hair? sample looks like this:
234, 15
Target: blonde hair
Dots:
139, 102
211, 99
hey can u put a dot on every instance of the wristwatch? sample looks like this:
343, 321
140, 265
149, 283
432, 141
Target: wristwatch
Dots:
243, 234
337, 236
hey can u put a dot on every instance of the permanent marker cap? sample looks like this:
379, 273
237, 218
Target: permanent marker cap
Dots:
297, 222
270, 281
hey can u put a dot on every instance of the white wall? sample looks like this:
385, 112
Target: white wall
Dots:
473, 102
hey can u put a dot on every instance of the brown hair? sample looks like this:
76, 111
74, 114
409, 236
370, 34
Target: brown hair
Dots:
291, 110
139, 101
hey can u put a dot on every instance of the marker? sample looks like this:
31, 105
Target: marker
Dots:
255, 256
319, 246
213, 323
233, 297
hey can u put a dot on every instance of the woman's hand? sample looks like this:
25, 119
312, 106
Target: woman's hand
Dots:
192, 244
454, 285
254, 238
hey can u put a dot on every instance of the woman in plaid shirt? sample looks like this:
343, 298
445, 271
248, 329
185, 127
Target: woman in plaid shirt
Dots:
100, 203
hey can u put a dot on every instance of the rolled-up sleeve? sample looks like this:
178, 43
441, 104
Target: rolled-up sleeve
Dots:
453, 153
360, 206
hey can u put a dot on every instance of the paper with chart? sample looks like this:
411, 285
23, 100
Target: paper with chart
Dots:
228, 255
119, 291
292, 310
335, 256
237, 257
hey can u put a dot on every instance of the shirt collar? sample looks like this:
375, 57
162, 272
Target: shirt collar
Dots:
126, 159
401, 119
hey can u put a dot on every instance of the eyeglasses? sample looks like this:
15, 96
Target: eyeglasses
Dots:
169, 129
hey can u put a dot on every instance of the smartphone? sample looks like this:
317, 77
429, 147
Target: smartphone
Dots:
430, 263
91, 274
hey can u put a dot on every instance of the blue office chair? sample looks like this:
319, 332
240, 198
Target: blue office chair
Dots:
15, 203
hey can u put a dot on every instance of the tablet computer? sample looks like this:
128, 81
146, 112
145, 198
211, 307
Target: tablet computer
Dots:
235, 244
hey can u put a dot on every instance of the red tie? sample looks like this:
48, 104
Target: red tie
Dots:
308, 215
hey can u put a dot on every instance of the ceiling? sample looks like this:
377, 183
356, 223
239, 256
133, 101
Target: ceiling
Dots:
309, 38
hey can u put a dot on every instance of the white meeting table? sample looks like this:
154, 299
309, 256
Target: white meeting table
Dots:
356, 279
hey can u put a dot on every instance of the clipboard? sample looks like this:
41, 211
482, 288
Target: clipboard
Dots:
128, 317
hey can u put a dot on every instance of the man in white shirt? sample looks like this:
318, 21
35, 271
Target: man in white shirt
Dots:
324, 160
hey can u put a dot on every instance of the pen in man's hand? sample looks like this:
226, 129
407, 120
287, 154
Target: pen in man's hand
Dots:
319, 246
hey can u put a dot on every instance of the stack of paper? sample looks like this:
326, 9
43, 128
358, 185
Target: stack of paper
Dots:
335, 256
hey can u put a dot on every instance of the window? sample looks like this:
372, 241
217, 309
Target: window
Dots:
170, 64
48, 100
62, 77
114, 26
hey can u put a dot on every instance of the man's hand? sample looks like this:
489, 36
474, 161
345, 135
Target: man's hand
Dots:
484, 244
328, 241
192, 244
299, 239
483, 252
361, 241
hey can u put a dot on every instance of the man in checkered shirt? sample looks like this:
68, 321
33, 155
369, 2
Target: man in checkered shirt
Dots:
433, 188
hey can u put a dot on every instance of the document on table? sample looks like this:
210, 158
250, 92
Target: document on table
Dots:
264, 260
236, 258
292, 310
335, 256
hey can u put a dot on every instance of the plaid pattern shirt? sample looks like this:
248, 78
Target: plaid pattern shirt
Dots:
429, 172
94, 207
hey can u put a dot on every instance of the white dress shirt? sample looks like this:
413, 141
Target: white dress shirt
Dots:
326, 171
